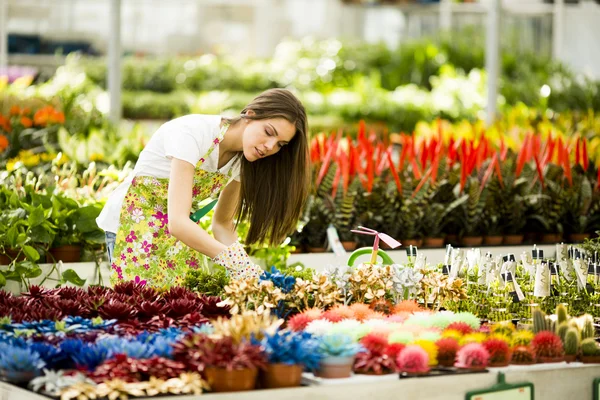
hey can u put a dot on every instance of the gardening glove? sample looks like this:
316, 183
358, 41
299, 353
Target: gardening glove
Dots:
237, 262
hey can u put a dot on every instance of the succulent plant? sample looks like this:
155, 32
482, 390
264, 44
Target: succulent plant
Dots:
338, 345
299, 322
447, 349
211, 308
472, 355
540, 322
115, 309
503, 328
498, 349
589, 347
17, 359
461, 327
561, 314
561, 330
572, 342
547, 344
522, 338
180, 307
147, 309
131, 348
90, 356
523, 355
292, 348
588, 331
413, 359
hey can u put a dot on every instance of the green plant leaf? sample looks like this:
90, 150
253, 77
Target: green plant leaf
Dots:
31, 253
86, 219
36, 217
2, 280
71, 276
12, 235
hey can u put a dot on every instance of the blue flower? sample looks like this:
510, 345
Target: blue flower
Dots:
16, 359
51, 355
285, 283
293, 348
338, 345
131, 348
206, 329
90, 356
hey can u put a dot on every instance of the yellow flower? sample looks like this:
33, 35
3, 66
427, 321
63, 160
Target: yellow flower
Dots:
96, 157
430, 348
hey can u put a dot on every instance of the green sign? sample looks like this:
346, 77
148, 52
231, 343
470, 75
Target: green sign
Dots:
596, 389
505, 391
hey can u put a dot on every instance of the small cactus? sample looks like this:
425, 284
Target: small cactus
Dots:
571, 342
539, 321
523, 355
522, 338
589, 347
547, 344
562, 330
561, 313
588, 328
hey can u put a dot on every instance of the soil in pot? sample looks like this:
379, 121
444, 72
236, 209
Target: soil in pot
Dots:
280, 376
433, 242
66, 253
547, 360
571, 358
512, 239
472, 241
223, 380
493, 240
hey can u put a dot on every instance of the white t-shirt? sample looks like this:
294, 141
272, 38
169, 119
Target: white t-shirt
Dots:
186, 138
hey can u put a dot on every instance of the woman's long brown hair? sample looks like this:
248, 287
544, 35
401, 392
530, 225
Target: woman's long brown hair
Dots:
274, 189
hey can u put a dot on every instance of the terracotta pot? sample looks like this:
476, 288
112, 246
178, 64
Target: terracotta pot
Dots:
335, 367
474, 369
590, 359
471, 241
11, 254
299, 249
547, 360
571, 358
522, 363
316, 249
512, 239
493, 240
578, 237
223, 380
499, 364
66, 253
411, 242
446, 363
416, 374
551, 238
452, 239
280, 376
349, 246
433, 242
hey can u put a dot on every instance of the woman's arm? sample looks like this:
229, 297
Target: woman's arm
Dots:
181, 183
222, 222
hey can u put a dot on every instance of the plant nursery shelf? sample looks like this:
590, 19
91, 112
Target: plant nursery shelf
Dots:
557, 381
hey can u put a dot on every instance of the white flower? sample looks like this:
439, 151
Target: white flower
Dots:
137, 215
319, 327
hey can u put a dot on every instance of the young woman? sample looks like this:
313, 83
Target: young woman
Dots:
257, 165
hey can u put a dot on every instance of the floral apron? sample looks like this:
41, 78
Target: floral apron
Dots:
144, 249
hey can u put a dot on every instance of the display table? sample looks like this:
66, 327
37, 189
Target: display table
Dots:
559, 381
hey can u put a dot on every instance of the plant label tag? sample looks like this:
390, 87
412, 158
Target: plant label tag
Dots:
542, 281
446, 269
334, 241
581, 272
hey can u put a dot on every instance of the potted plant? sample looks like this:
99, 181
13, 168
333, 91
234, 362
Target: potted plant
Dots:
226, 365
548, 347
315, 231
447, 349
549, 207
344, 218
572, 339
376, 358
499, 351
579, 199
19, 365
338, 351
288, 354
590, 351
436, 215
472, 356
472, 215
523, 355
413, 360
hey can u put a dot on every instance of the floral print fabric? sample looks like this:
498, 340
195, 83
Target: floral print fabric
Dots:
238, 264
144, 249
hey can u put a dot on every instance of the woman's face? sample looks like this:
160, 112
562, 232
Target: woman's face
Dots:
265, 137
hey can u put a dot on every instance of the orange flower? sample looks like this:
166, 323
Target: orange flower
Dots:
3, 143
57, 117
5, 124
15, 110
26, 111
40, 118
26, 122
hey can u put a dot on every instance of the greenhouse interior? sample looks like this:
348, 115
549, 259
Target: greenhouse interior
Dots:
323, 199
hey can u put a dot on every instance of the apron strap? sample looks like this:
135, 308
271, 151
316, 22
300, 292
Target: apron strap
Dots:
203, 211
